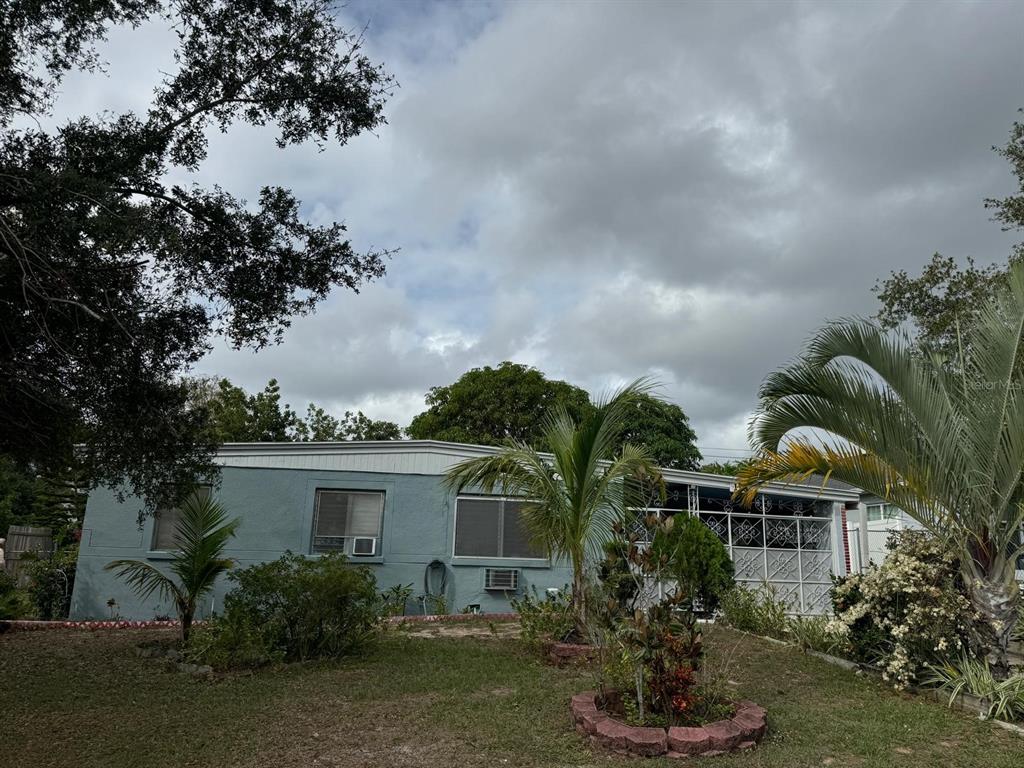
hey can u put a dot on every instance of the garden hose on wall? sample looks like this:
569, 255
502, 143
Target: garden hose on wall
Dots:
435, 581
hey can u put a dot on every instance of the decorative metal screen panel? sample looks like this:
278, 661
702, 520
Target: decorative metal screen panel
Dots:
786, 541
790, 595
749, 563
815, 534
783, 565
816, 567
747, 531
816, 598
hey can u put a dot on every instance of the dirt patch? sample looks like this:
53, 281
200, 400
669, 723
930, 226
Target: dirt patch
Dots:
497, 630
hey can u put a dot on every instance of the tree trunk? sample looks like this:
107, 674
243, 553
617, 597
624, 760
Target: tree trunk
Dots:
996, 596
579, 600
186, 625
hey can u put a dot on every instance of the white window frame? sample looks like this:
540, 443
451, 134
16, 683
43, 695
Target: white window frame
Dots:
348, 548
490, 558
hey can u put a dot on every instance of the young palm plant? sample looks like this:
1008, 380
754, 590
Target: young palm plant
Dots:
943, 442
579, 490
202, 533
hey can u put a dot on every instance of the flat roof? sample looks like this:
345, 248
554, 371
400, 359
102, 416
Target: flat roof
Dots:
833, 490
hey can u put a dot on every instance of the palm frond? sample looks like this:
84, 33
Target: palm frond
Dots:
144, 579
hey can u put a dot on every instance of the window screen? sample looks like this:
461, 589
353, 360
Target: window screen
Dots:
515, 541
491, 528
165, 521
343, 515
476, 528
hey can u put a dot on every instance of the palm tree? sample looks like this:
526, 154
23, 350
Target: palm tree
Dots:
201, 535
579, 490
943, 442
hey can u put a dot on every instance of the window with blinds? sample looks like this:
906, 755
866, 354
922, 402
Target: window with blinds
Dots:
492, 528
165, 522
348, 522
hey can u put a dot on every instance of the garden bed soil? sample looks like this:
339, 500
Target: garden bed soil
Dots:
744, 730
569, 654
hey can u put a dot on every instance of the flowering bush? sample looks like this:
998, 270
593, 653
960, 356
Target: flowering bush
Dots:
908, 612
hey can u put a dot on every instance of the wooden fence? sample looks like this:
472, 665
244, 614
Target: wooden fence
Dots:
21, 540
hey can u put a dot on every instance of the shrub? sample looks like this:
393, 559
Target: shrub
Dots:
396, 598
812, 633
230, 641
758, 610
545, 619
13, 602
655, 641
910, 611
294, 609
1004, 698
50, 582
698, 562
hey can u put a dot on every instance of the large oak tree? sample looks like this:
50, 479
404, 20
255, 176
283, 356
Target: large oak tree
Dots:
113, 280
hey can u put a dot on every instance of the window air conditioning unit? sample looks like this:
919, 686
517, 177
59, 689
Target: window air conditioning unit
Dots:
501, 579
364, 546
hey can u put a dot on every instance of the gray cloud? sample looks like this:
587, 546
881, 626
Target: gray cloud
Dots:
610, 190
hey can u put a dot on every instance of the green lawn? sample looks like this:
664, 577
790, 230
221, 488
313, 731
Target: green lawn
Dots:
85, 699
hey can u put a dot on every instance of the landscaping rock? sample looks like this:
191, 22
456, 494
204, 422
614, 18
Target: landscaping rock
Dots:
723, 735
612, 734
647, 742
688, 741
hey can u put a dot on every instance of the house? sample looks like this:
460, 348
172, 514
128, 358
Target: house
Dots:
386, 506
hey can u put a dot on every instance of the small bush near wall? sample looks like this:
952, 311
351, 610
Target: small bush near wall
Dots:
544, 619
757, 610
51, 581
13, 602
910, 611
292, 609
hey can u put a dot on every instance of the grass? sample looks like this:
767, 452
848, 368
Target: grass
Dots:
86, 699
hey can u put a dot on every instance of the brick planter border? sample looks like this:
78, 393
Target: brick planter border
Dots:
30, 625
744, 730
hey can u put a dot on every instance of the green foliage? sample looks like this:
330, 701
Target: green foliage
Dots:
239, 417
944, 445
578, 494
1004, 698
396, 598
941, 304
664, 430
723, 467
114, 275
17, 495
489, 406
545, 619
294, 608
202, 535
758, 610
812, 633
697, 561
908, 612
14, 602
231, 641
51, 581
656, 641
945, 301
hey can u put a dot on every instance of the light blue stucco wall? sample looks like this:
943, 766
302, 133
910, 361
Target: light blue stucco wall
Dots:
276, 511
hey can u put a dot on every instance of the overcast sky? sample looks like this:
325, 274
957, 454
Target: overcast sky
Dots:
610, 190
